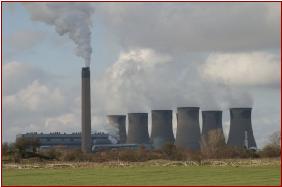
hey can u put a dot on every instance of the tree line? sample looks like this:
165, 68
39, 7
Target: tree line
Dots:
213, 146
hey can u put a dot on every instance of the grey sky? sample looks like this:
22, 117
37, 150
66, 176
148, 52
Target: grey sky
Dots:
145, 56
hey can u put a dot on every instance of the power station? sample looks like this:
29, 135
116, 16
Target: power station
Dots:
212, 123
241, 132
138, 128
86, 143
161, 133
188, 133
118, 122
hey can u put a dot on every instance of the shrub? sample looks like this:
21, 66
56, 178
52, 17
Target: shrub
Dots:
72, 155
23, 144
52, 153
213, 144
172, 152
5, 148
272, 149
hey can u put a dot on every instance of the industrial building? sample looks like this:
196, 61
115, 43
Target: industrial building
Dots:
188, 133
118, 122
138, 128
86, 144
212, 122
241, 132
161, 133
73, 140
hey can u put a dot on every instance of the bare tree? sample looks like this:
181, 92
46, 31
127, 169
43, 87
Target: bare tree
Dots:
23, 144
213, 144
275, 138
272, 149
5, 148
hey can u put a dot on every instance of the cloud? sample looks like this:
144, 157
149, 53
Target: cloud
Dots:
68, 122
31, 98
243, 69
194, 27
18, 75
140, 80
143, 79
35, 97
24, 40
163, 44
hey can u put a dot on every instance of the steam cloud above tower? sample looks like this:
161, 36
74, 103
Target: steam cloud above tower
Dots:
71, 19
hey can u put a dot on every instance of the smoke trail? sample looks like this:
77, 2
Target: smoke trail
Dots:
71, 19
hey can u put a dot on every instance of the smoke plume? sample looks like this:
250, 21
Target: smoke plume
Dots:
143, 79
71, 19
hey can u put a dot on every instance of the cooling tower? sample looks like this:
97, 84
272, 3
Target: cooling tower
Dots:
85, 111
138, 128
118, 122
212, 122
188, 128
161, 133
241, 128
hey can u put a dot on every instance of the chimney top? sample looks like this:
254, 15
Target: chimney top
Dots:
85, 72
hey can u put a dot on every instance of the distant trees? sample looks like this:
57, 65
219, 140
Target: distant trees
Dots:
5, 148
213, 144
171, 152
273, 148
24, 145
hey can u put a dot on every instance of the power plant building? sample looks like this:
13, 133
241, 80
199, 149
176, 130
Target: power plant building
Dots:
73, 140
241, 132
188, 133
86, 143
138, 128
161, 133
118, 123
212, 121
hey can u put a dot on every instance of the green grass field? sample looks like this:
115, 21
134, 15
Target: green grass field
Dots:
145, 175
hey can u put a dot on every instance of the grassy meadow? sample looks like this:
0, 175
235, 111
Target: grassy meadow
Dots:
145, 175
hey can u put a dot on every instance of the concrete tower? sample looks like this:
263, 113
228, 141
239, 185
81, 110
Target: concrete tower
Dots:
188, 133
86, 143
118, 122
138, 128
212, 121
241, 128
161, 133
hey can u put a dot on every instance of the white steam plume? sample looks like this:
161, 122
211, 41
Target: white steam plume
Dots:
71, 19
143, 79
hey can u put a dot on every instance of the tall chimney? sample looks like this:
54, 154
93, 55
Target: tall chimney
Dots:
138, 128
188, 133
241, 128
118, 122
161, 133
86, 141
